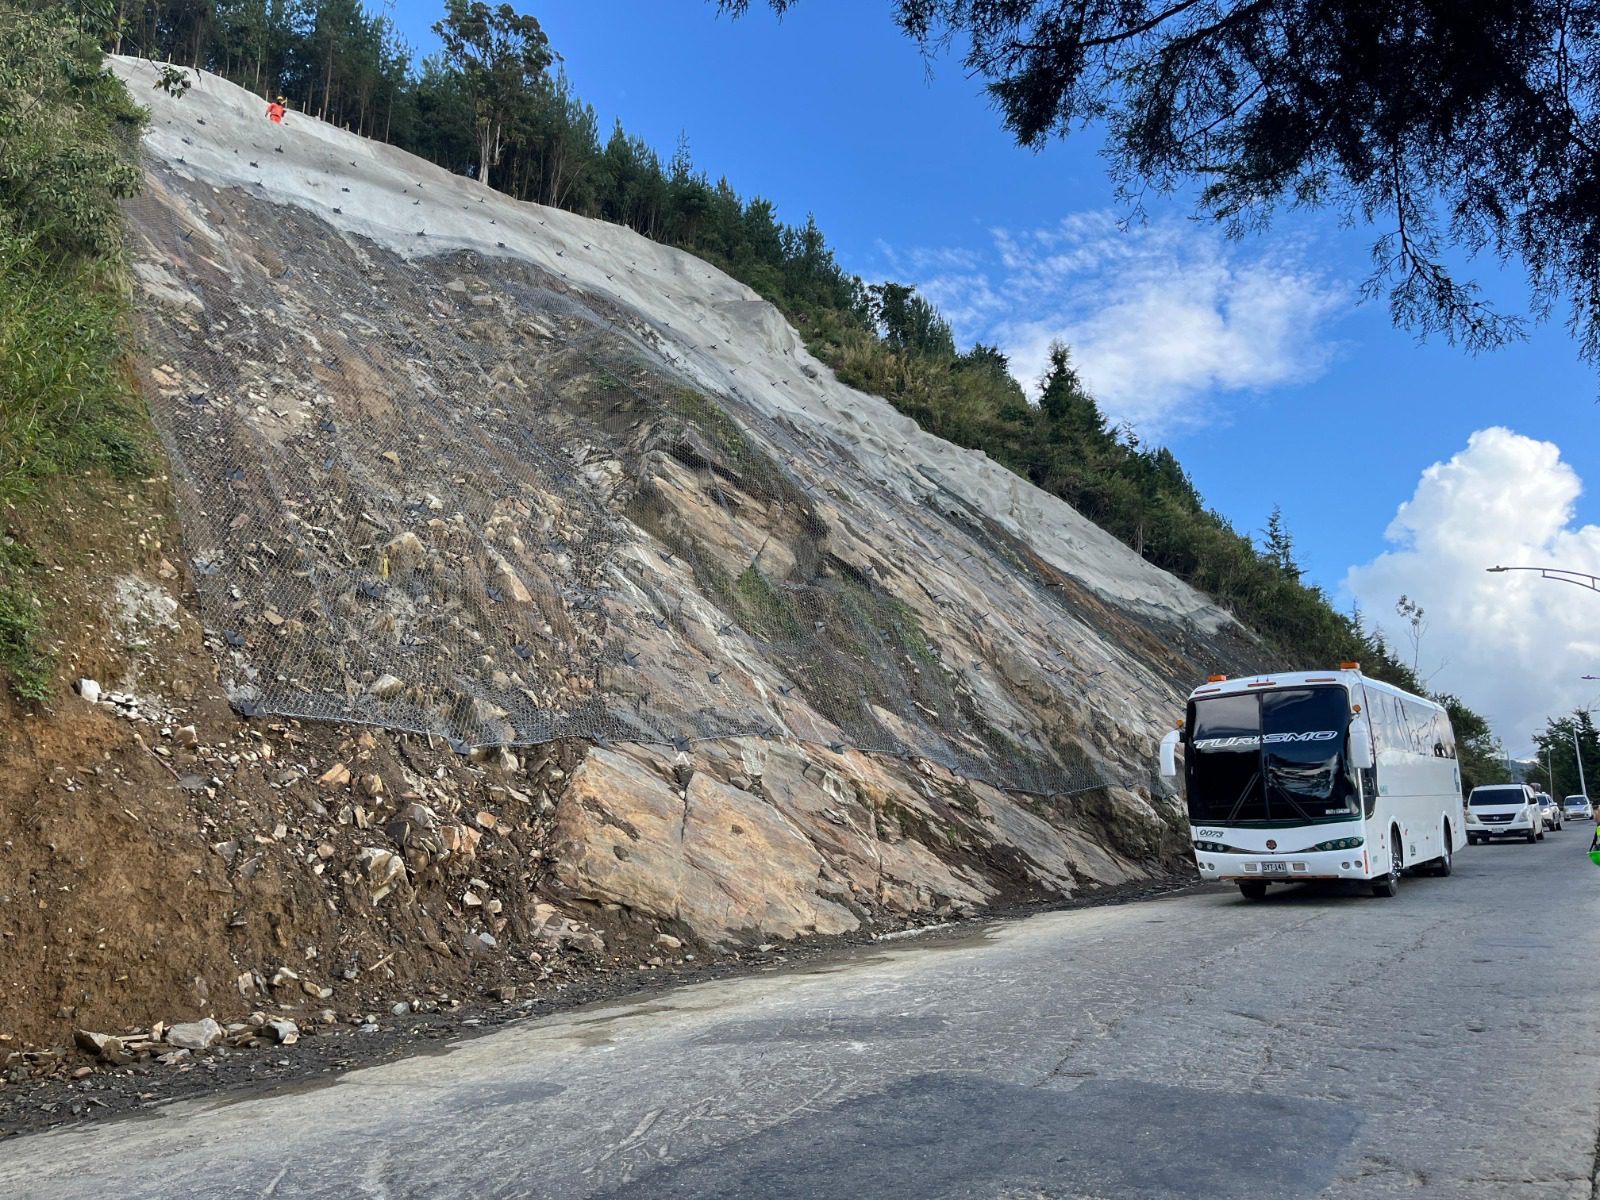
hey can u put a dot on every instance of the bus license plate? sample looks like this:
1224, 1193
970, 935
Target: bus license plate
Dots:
1271, 868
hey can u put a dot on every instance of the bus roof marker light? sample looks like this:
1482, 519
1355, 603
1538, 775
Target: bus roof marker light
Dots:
1349, 666
1216, 678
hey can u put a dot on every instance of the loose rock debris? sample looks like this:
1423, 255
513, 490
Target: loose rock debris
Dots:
41, 1088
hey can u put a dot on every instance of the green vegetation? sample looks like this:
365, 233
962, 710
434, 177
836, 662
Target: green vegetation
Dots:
500, 56
1563, 739
68, 132
705, 415
763, 608
908, 632
64, 403
26, 665
887, 618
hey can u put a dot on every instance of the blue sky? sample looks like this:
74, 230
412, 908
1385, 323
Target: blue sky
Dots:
1254, 360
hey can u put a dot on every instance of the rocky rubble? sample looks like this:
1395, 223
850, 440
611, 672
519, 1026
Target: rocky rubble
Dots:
47, 1087
346, 867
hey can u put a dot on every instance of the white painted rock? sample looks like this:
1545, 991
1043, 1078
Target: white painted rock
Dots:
195, 1035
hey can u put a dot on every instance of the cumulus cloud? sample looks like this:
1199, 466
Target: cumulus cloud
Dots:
1161, 318
1512, 645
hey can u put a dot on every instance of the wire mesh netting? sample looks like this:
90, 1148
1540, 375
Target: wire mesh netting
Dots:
455, 496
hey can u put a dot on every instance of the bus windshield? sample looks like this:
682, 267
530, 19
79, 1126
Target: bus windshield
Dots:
1271, 757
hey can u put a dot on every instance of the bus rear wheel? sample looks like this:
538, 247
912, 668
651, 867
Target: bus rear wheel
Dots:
1253, 891
1444, 864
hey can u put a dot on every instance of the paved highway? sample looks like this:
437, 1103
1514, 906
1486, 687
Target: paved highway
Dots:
1444, 1043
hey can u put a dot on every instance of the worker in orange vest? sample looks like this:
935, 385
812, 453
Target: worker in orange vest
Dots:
275, 110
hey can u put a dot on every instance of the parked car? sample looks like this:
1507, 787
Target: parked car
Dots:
1550, 809
1577, 808
1500, 810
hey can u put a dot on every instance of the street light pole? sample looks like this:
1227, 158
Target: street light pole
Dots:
1592, 582
1580, 579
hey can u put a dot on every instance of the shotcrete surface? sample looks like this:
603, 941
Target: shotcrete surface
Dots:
713, 328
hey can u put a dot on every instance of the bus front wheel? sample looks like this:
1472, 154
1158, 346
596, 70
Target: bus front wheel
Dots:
1389, 885
1253, 891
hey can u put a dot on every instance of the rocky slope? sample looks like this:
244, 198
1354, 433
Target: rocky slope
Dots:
542, 601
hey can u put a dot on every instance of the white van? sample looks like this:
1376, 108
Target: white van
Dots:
1504, 810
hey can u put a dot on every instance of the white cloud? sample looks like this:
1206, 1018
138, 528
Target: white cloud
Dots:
1160, 318
1512, 645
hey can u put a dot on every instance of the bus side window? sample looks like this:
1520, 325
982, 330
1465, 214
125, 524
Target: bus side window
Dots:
1416, 722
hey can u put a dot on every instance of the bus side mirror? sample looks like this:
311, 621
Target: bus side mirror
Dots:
1169, 754
1361, 756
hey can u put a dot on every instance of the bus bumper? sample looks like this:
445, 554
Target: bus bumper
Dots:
1285, 868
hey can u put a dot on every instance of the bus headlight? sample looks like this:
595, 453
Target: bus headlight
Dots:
1349, 843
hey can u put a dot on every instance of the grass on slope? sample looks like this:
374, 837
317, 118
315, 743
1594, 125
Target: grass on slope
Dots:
64, 404
68, 147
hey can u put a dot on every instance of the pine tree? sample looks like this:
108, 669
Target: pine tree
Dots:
1280, 545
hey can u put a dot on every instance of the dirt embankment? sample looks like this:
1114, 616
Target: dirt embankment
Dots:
166, 860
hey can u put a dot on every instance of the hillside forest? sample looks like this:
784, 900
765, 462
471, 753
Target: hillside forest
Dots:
495, 105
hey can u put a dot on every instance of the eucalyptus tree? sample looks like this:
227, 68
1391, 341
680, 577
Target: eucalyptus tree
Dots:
502, 54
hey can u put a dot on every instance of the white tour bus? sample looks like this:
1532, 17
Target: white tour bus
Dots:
1317, 775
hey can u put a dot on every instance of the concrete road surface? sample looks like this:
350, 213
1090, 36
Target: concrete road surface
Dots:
1445, 1043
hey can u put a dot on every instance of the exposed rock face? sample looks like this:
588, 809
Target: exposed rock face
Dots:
469, 467
788, 845
708, 854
